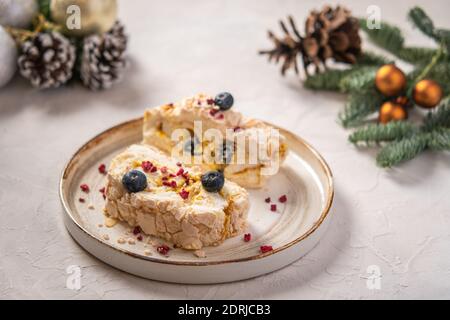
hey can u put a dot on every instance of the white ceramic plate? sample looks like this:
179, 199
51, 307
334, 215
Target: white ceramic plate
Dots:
292, 231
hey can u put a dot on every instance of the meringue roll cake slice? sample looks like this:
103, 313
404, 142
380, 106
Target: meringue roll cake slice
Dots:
217, 114
146, 188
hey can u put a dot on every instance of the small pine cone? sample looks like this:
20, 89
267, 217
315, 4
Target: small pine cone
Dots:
47, 60
118, 33
103, 60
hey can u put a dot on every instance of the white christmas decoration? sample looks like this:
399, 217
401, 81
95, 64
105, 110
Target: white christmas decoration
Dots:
8, 57
17, 13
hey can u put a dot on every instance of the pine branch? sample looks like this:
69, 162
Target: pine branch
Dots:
44, 8
402, 150
444, 37
438, 119
424, 23
361, 79
431, 65
436, 73
390, 38
416, 55
370, 58
440, 73
437, 68
387, 36
439, 140
359, 106
328, 80
376, 133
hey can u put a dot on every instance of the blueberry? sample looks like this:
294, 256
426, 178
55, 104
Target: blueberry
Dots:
226, 152
213, 181
191, 145
224, 100
134, 181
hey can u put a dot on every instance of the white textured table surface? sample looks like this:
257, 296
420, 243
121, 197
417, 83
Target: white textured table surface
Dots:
398, 219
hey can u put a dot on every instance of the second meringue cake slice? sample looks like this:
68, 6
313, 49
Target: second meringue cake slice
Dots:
161, 122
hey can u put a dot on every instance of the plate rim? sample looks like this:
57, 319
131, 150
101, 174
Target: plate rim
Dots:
324, 214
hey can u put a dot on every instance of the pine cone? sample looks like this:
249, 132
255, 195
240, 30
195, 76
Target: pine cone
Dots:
286, 49
47, 60
103, 60
330, 33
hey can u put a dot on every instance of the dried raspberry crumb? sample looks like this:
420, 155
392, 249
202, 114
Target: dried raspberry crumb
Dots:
164, 178
247, 237
153, 169
82, 200
179, 164
283, 198
180, 172
273, 207
267, 200
220, 116
213, 112
172, 175
136, 230
265, 249
140, 238
163, 169
102, 168
184, 194
172, 184
84, 187
146, 166
210, 101
163, 249
103, 192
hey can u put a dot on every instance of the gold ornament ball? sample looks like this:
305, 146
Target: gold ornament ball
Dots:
96, 16
402, 100
427, 93
390, 80
391, 111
